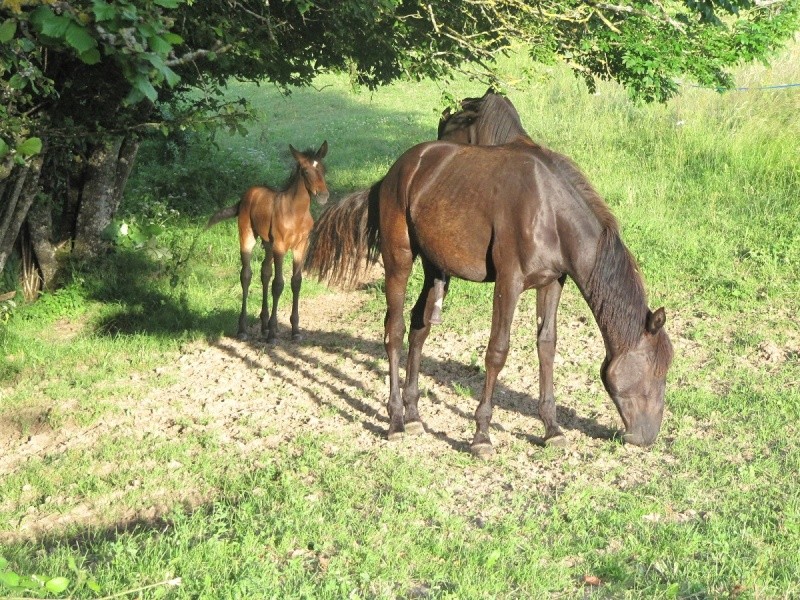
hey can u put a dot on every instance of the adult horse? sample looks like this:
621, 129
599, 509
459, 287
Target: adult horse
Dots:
282, 219
518, 215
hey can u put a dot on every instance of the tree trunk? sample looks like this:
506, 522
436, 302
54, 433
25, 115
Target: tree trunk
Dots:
17, 195
96, 209
55, 216
40, 230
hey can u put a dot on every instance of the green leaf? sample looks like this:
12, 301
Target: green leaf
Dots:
9, 578
173, 38
50, 24
90, 57
7, 30
171, 76
3, 561
143, 85
56, 585
3, 151
159, 45
167, 3
17, 82
103, 11
78, 37
30, 146
93, 585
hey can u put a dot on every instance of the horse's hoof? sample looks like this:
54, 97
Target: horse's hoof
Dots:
414, 428
395, 435
483, 451
557, 441
297, 337
635, 439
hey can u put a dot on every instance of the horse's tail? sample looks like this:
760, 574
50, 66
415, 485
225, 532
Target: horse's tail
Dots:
345, 239
221, 215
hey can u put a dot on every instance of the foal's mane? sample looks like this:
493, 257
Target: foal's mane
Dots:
615, 290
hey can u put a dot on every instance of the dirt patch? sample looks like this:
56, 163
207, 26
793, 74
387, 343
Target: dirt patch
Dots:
250, 397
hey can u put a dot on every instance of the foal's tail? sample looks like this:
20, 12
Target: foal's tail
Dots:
344, 240
221, 215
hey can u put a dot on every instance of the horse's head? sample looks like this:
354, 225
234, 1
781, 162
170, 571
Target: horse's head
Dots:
635, 379
312, 170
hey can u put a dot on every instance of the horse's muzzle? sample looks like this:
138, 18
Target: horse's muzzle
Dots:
644, 434
322, 197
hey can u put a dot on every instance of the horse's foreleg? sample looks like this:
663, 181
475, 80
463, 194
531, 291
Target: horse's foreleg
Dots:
245, 275
297, 281
547, 299
271, 328
505, 302
421, 318
266, 276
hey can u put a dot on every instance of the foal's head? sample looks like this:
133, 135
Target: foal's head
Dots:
636, 378
312, 170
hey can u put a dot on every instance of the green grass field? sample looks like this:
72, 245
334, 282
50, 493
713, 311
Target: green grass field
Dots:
706, 189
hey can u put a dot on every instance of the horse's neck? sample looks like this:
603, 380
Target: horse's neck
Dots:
610, 283
295, 197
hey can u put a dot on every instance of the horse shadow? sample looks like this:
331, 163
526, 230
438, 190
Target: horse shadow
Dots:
368, 354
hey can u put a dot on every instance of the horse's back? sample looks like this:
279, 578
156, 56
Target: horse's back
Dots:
469, 208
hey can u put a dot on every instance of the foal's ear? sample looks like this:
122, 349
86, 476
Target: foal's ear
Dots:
297, 155
656, 320
323, 150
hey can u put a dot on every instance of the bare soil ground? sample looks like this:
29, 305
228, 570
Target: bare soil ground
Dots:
250, 397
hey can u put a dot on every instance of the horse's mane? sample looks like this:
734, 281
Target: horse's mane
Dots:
494, 115
615, 274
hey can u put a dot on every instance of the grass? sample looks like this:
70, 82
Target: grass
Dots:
705, 188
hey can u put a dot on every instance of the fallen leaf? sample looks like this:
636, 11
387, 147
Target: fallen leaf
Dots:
592, 580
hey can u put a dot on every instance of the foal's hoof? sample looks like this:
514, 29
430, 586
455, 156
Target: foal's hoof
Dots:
557, 441
482, 451
297, 337
414, 428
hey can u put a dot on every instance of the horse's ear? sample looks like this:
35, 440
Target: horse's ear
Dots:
323, 150
297, 155
656, 320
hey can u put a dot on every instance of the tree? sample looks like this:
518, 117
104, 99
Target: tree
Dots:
82, 81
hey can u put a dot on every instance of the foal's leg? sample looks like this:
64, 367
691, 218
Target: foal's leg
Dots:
547, 299
421, 318
506, 295
297, 280
271, 327
245, 275
266, 275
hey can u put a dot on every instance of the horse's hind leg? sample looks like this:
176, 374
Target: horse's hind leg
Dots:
397, 265
505, 302
245, 275
547, 299
421, 318
440, 285
266, 276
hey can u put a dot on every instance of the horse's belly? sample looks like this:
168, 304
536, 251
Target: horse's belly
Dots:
457, 249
